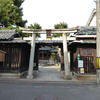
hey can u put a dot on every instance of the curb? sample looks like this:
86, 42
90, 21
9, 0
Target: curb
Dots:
78, 82
67, 82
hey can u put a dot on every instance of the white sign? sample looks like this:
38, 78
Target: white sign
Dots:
80, 63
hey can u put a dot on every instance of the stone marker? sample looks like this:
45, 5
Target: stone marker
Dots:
46, 97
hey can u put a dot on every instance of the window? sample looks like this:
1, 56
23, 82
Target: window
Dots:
86, 52
2, 56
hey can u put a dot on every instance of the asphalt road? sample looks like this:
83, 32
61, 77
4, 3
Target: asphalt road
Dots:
26, 90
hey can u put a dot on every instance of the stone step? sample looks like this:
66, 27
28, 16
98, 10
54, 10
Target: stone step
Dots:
85, 76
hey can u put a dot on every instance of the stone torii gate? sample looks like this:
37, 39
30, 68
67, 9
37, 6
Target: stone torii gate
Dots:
42, 31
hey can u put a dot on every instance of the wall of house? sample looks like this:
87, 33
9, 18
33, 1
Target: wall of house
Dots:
89, 61
25, 57
16, 57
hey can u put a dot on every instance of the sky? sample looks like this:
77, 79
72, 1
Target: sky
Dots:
47, 13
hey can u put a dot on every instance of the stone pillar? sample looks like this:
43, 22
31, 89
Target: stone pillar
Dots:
67, 70
30, 72
62, 62
69, 62
36, 60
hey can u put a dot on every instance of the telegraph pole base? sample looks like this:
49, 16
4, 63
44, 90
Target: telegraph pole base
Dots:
98, 76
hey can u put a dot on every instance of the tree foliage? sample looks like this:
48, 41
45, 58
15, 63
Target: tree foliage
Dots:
11, 13
18, 4
53, 55
60, 26
35, 26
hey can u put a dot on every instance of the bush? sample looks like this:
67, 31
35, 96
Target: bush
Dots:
52, 56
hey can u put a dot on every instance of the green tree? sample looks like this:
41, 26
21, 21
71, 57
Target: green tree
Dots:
53, 55
35, 26
60, 26
11, 13
18, 4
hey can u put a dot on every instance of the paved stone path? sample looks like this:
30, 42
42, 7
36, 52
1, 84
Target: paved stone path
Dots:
49, 73
52, 73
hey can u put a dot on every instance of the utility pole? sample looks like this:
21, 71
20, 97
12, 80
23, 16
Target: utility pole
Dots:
98, 39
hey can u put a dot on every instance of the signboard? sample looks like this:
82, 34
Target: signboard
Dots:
80, 63
81, 70
86, 52
78, 57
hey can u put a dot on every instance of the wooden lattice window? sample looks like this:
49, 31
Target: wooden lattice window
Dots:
2, 56
86, 52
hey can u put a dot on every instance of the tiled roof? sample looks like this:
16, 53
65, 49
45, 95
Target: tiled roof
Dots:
18, 40
8, 34
49, 41
85, 41
45, 48
48, 49
82, 42
53, 50
87, 30
89, 41
15, 40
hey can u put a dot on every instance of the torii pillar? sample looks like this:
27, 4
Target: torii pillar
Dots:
30, 71
66, 66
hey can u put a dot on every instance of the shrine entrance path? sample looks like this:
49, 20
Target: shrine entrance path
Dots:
48, 72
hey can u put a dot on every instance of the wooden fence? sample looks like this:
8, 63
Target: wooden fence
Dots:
89, 61
16, 58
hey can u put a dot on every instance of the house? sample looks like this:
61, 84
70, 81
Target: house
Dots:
14, 54
45, 52
2, 56
84, 49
